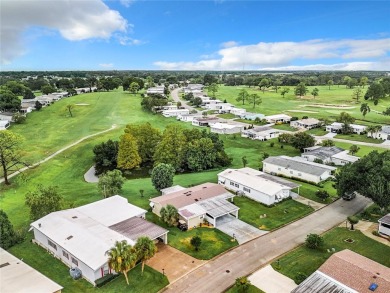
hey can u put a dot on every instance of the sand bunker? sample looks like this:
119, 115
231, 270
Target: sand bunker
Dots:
302, 111
329, 106
81, 104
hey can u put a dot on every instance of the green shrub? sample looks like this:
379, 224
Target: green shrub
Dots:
300, 277
376, 233
104, 280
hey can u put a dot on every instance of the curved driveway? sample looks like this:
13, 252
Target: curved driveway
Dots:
220, 273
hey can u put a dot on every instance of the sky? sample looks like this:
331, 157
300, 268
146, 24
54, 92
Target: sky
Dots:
194, 35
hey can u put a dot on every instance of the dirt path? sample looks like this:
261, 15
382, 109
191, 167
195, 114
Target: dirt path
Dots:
57, 153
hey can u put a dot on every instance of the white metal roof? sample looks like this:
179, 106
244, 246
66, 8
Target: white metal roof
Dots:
250, 179
171, 189
191, 211
278, 116
344, 156
16, 276
219, 125
84, 231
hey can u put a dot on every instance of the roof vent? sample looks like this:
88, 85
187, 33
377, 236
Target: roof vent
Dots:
70, 237
196, 199
204, 187
74, 217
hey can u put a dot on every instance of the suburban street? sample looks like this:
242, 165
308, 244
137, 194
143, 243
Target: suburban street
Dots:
220, 273
176, 98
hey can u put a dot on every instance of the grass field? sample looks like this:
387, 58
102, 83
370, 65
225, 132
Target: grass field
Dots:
307, 260
274, 103
309, 191
251, 289
38, 258
278, 215
357, 137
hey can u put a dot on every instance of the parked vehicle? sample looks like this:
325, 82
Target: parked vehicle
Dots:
182, 225
349, 195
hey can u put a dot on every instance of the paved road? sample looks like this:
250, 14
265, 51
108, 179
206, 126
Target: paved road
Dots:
220, 273
56, 153
176, 98
379, 145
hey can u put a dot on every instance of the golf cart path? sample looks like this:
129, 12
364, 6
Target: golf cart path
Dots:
57, 153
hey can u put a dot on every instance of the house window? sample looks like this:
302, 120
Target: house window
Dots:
247, 189
65, 254
232, 183
52, 244
236, 185
75, 261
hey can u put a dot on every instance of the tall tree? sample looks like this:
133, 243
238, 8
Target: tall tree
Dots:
8, 236
171, 150
122, 258
300, 89
302, 140
345, 118
47, 89
147, 138
43, 201
284, 91
369, 176
374, 92
162, 176
134, 87
28, 94
213, 88
330, 83
363, 81
353, 221
145, 249
128, 156
357, 94
111, 183
201, 154
242, 96
106, 154
254, 99
264, 83
364, 109
315, 92
169, 215
277, 84
10, 153
9, 101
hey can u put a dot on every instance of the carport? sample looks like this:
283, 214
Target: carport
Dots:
216, 208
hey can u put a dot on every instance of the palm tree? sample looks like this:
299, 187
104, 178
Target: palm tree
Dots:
122, 258
169, 215
373, 129
145, 249
364, 108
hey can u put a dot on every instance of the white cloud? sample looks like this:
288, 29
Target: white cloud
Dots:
283, 54
229, 44
126, 3
106, 65
351, 66
75, 20
127, 41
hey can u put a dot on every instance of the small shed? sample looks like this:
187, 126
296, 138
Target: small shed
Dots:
384, 225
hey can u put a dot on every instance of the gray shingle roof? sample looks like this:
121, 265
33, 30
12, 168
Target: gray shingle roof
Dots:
324, 152
299, 165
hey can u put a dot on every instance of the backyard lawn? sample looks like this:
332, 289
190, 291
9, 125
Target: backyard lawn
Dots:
276, 216
309, 191
214, 242
317, 131
305, 260
40, 259
357, 137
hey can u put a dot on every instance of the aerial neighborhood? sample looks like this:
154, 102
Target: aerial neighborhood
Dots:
194, 152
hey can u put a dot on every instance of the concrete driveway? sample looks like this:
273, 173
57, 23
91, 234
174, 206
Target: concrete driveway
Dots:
269, 280
175, 263
238, 229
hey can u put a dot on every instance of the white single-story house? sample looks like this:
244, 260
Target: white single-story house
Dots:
225, 128
261, 133
175, 113
83, 90
207, 201
347, 272
237, 111
205, 121
26, 109
4, 124
18, 277
297, 167
251, 116
220, 107
169, 107
6, 116
80, 237
193, 87
155, 90
279, 118
209, 103
308, 123
189, 117
336, 127
256, 185
384, 225
333, 154
383, 134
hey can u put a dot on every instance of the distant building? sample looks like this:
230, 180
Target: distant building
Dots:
297, 167
305, 123
18, 277
335, 155
251, 116
175, 112
205, 121
384, 225
347, 272
226, 128
383, 134
336, 127
261, 133
189, 117
279, 118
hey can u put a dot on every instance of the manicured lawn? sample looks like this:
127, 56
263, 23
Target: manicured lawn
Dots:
251, 289
284, 127
309, 191
317, 131
227, 116
307, 260
214, 242
363, 150
251, 122
357, 137
278, 215
40, 259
